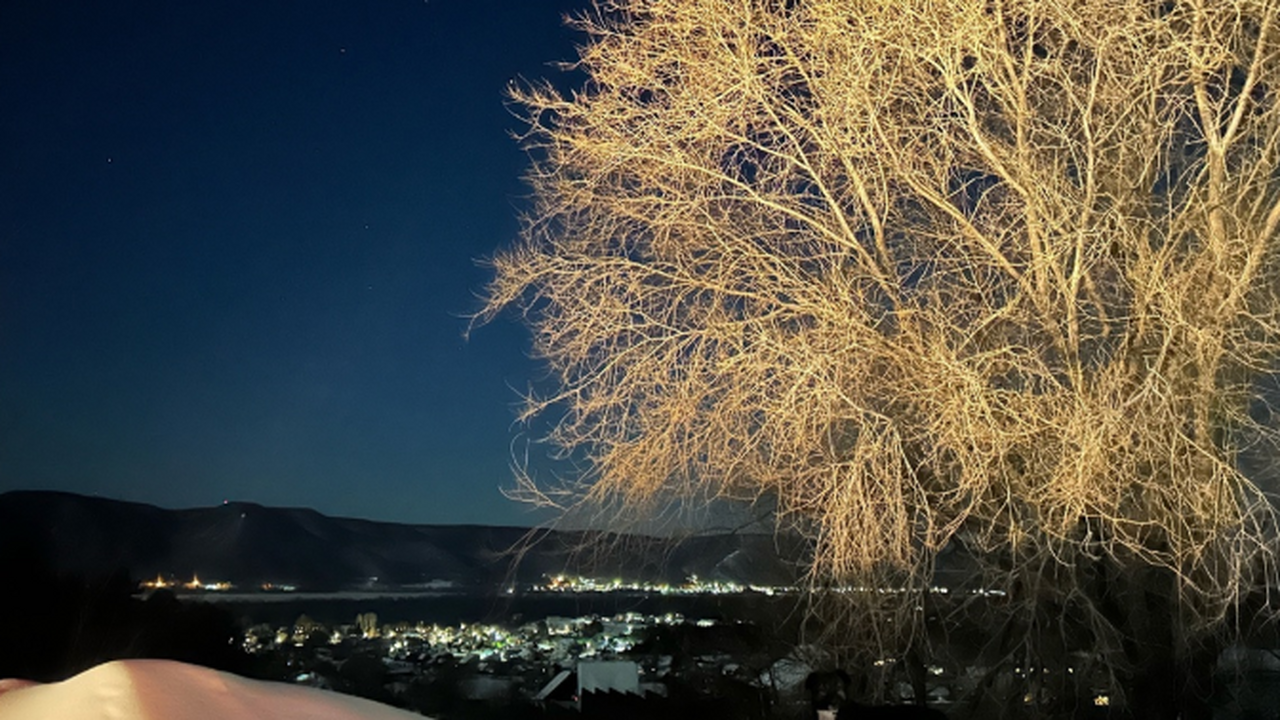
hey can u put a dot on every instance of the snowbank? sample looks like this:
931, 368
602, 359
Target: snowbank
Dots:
167, 690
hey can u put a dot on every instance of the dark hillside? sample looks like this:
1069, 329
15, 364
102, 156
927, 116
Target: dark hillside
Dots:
249, 544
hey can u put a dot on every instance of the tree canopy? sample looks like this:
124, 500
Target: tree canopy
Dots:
1001, 272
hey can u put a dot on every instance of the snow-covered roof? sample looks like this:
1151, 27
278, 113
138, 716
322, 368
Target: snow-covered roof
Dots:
608, 675
167, 690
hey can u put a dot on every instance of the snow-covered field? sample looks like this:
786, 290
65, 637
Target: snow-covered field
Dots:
167, 690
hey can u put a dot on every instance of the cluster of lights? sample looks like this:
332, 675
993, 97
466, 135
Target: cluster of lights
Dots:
194, 583
272, 587
581, 584
694, 586
935, 590
493, 642
488, 642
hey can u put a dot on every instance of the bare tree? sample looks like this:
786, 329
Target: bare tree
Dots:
1001, 272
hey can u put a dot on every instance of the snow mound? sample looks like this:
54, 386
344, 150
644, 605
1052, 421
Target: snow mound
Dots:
167, 690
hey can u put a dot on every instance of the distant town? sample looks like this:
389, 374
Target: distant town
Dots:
551, 584
552, 664
568, 663
560, 641
195, 584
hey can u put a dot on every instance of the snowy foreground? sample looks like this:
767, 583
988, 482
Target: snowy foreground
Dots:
167, 690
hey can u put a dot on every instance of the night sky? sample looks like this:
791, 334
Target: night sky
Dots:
238, 240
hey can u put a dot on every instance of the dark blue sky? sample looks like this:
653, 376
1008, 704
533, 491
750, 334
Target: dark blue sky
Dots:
236, 242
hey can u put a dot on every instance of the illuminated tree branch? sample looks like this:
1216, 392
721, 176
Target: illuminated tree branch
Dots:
995, 272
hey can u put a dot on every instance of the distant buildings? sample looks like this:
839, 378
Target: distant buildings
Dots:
161, 583
692, 586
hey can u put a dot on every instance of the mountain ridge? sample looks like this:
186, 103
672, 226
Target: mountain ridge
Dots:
249, 544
